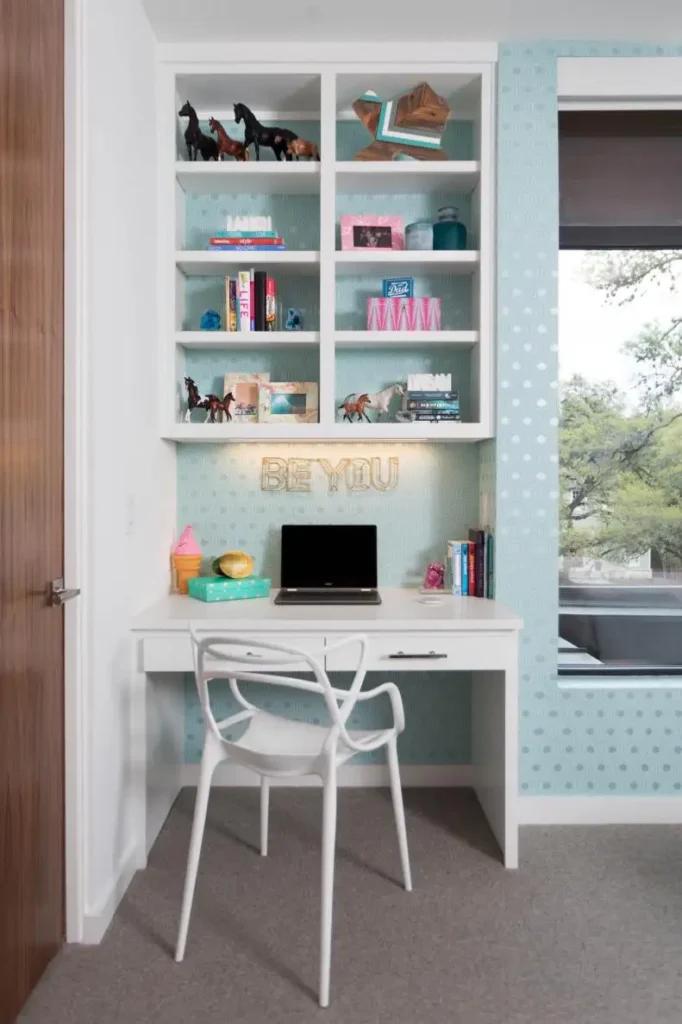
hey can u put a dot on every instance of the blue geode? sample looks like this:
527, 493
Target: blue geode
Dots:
210, 320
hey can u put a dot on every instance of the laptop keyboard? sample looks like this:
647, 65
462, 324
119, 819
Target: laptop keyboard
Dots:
328, 597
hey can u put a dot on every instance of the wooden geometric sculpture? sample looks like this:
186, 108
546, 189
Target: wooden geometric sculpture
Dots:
411, 125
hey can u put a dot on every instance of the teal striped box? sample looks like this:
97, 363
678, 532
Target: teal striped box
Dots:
218, 588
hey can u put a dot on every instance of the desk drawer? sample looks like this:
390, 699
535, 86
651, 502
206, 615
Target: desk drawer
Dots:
419, 652
174, 653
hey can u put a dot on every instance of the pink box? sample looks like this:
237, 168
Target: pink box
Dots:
403, 314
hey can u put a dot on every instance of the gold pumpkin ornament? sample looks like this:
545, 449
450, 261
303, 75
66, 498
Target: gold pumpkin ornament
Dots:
235, 564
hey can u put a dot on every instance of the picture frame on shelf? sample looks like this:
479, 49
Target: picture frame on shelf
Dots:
288, 402
360, 232
244, 387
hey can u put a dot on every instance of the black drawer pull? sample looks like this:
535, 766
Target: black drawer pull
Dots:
432, 655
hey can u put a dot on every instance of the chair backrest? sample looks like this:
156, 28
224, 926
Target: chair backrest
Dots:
235, 658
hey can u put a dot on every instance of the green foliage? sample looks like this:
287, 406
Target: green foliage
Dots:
621, 471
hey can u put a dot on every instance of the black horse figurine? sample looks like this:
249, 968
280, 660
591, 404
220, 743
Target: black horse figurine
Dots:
254, 132
195, 139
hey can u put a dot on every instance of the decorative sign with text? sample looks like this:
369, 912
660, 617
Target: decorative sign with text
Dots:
354, 474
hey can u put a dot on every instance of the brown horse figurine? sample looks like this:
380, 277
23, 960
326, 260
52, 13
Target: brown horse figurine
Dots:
301, 147
211, 403
355, 404
226, 145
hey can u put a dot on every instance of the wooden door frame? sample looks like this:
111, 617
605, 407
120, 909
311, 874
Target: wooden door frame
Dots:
76, 618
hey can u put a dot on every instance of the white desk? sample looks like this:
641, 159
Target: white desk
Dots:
460, 634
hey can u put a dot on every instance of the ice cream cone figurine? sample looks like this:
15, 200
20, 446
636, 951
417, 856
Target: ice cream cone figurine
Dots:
186, 559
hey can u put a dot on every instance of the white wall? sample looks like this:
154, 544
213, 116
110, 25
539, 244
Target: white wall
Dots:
130, 472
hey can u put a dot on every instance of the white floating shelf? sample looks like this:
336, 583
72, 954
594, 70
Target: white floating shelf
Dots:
200, 433
409, 261
271, 177
404, 339
246, 339
203, 264
404, 176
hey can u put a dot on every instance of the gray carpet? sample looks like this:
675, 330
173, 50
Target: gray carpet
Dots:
588, 931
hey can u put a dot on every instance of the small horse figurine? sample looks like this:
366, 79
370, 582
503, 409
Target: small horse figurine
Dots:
211, 403
355, 404
195, 139
301, 147
381, 401
226, 145
256, 133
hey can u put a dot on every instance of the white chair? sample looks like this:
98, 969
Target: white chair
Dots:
277, 747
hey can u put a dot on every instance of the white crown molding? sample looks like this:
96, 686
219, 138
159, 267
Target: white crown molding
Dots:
335, 53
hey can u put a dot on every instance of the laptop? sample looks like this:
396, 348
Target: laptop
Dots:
329, 565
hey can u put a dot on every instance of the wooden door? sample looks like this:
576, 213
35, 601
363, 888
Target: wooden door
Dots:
31, 494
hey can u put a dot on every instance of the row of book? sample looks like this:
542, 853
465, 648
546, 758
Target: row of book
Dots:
433, 406
470, 565
246, 241
250, 301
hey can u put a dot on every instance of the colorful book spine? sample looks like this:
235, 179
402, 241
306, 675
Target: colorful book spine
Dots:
234, 320
270, 304
477, 538
433, 396
244, 234
260, 286
457, 569
472, 570
227, 304
465, 569
247, 248
436, 417
433, 405
244, 300
490, 566
246, 243
252, 298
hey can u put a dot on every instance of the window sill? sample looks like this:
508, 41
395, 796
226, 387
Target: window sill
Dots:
621, 679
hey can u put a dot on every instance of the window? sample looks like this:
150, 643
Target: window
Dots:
620, 364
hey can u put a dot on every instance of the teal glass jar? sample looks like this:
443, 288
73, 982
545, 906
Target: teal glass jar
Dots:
419, 235
448, 231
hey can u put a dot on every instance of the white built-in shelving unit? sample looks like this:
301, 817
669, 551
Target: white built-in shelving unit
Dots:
317, 98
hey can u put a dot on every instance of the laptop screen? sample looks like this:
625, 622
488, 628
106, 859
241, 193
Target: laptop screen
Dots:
329, 556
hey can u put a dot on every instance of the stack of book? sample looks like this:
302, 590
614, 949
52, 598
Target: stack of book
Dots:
247, 234
469, 567
250, 301
432, 404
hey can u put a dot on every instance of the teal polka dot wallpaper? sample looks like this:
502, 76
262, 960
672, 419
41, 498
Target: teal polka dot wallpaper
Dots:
571, 742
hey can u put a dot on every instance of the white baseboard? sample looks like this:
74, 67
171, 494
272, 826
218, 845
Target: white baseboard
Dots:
352, 775
596, 810
98, 918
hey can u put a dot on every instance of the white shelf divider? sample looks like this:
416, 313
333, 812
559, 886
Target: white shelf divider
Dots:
405, 339
202, 263
267, 177
247, 339
396, 177
208, 433
388, 261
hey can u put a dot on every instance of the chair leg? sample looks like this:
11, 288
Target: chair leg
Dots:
399, 811
327, 893
264, 813
208, 764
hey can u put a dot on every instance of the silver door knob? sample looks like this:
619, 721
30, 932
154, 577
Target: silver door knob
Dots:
59, 594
